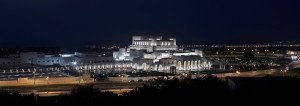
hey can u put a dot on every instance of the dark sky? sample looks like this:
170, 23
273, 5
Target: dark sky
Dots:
79, 22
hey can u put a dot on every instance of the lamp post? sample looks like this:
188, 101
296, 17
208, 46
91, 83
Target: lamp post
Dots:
47, 78
283, 72
33, 77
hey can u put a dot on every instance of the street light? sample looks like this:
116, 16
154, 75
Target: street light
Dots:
33, 77
283, 72
47, 78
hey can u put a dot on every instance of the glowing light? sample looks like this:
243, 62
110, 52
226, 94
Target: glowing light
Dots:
74, 63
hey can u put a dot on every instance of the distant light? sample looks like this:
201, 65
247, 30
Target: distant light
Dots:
66, 55
74, 63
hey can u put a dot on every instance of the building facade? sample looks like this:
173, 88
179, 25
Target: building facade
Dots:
156, 54
146, 53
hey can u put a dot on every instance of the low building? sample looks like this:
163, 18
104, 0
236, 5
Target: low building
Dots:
146, 53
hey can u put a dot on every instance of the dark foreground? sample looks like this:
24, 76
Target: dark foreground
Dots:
176, 91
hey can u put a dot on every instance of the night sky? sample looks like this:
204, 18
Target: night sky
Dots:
80, 22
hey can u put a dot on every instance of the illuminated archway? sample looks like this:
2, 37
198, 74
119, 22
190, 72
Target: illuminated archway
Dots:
192, 65
196, 65
188, 65
160, 68
135, 66
179, 65
144, 66
184, 65
155, 67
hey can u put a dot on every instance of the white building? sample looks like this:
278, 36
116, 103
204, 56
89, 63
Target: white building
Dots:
155, 54
41, 59
295, 55
144, 54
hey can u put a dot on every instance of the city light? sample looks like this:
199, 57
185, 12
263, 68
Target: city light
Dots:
74, 63
146, 52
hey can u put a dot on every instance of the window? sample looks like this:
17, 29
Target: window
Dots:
3, 63
39, 61
8, 62
57, 60
48, 61
43, 61
14, 62
52, 61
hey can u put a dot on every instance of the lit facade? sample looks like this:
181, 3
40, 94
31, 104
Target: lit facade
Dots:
295, 55
144, 54
156, 54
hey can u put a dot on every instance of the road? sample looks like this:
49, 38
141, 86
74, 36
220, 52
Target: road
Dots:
53, 90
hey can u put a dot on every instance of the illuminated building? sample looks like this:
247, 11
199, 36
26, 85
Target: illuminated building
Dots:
144, 54
295, 55
156, 54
